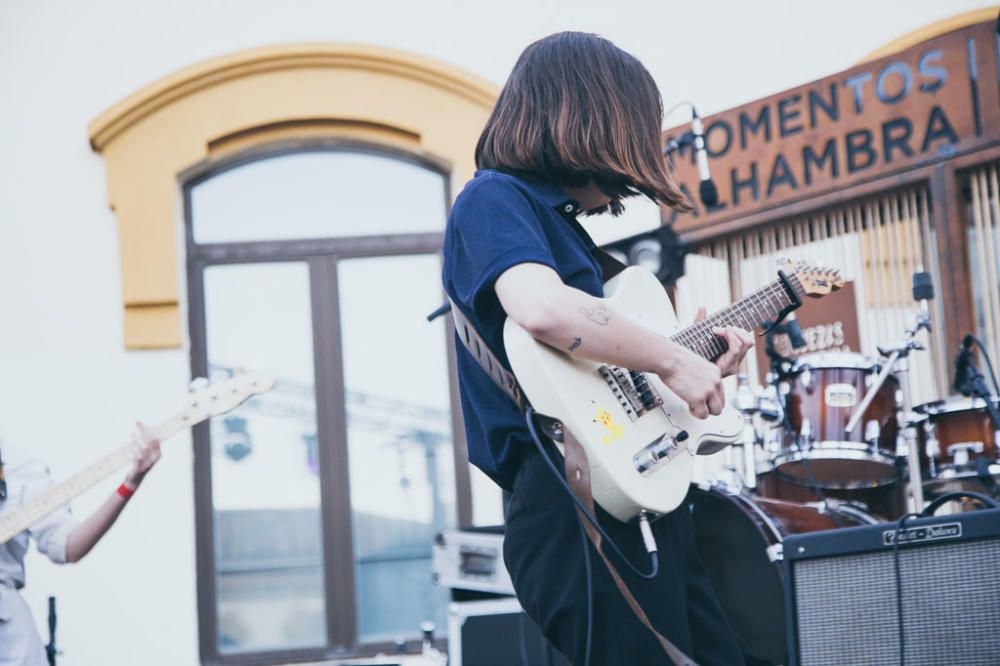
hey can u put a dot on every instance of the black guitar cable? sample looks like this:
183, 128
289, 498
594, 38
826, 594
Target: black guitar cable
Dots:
643, 522
643, 519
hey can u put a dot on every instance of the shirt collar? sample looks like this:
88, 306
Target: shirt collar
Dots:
551, 195
555, 197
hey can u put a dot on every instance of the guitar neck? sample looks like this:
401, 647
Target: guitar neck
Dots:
749, 313
15, 522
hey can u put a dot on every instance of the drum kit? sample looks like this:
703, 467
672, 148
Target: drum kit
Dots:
832, 441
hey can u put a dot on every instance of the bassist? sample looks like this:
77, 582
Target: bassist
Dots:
59, 536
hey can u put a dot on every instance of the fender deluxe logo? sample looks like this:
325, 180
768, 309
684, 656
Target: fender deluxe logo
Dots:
924, 533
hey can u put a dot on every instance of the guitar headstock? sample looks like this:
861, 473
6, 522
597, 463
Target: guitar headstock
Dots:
212, 399
814, 280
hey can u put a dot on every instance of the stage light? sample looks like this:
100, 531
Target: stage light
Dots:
659, 251
237, 444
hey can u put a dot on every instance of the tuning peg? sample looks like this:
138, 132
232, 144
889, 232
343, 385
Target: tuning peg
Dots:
198, 383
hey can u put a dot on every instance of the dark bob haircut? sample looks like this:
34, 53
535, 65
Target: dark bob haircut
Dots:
575, 109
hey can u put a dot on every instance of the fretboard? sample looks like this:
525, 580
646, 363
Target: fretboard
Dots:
749, 313
36, 508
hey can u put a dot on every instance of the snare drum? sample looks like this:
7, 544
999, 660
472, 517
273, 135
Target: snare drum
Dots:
739, 541
958, 446
821, 394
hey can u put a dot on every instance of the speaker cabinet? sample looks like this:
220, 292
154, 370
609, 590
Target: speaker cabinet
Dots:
841, 593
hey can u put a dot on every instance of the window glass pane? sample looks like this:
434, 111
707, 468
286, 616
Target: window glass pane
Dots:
399, 438
318, 194
265, 484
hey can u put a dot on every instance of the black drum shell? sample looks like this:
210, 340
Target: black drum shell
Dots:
735, 535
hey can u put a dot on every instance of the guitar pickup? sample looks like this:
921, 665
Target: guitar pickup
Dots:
659, 450
631, 389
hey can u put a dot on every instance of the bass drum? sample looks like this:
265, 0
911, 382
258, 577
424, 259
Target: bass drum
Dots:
739, 539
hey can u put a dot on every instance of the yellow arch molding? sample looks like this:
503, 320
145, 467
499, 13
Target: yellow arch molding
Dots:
933, 30
240, 102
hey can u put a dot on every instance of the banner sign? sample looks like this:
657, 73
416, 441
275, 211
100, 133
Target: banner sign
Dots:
911, 108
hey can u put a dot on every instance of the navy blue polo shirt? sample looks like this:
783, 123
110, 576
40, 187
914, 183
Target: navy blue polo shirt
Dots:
499, 221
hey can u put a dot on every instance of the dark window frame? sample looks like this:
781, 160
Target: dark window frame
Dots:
321, 256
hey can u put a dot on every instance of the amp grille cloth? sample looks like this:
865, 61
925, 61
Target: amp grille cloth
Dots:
846, 607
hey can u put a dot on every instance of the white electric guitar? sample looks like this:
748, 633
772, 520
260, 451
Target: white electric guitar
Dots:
640, 438
203, 402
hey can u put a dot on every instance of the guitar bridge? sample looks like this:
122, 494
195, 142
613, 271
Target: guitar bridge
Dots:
631, 389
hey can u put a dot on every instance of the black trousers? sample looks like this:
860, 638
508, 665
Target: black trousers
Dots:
544, 554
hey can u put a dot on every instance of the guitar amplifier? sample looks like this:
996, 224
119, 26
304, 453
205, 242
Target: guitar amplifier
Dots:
841, 593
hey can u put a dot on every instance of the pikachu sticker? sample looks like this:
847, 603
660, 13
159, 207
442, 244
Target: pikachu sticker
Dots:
615, 430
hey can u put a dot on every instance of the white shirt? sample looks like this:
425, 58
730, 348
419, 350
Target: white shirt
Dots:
26, 478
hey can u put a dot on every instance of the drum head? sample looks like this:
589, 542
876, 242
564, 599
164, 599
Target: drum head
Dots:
950, 405
732, 539
833, 467
951, 481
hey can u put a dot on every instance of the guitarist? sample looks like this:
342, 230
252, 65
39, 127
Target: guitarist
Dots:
576, 130
59, 536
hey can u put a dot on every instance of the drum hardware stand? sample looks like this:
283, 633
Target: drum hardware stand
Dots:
897, 363
750, 404
746, 403
51, 651
931, 448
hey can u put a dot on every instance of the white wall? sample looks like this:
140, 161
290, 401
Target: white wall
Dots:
67, 388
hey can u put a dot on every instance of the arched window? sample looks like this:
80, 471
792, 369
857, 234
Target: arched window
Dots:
316, 179
318, 502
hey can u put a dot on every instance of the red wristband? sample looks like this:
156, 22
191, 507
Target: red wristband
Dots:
125, 492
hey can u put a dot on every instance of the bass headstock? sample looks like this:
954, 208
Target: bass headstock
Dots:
212, 399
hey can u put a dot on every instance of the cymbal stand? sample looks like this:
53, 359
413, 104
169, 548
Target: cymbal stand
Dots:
897, 362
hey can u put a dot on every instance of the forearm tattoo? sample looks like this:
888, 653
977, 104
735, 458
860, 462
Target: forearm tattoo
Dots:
599, 315
576, 344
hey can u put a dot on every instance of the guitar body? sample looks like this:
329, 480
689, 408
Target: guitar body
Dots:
619, 429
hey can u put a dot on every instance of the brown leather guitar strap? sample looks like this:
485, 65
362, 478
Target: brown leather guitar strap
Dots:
575, 460
578, 476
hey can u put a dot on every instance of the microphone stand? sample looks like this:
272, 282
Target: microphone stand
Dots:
973, 383
50, 650
897, 362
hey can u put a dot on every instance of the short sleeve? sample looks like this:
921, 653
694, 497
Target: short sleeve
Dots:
51, 533
494, 226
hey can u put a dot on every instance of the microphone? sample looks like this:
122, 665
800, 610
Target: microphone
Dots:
923, 291
794, 331
923, 287
707, 191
